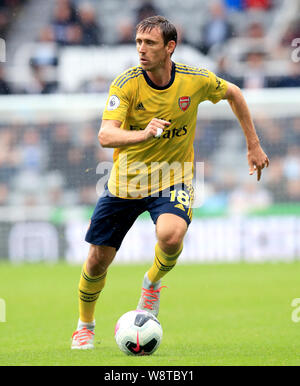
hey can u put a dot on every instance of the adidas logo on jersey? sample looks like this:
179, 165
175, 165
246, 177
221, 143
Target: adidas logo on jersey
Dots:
140, 106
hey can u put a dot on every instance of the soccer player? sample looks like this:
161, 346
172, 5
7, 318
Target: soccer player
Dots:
150, 121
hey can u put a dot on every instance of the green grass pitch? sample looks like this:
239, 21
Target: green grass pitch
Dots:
235, 314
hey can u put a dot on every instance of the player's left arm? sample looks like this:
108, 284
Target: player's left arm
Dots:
257, 159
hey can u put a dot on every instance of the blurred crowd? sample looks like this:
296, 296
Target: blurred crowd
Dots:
56, 164
8, 12
49, 164
80, 23
228, 185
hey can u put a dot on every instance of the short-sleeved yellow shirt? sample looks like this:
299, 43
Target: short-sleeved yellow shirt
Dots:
142, 169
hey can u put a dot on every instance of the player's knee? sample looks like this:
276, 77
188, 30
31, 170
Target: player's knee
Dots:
171, 240
99, 259
95, 266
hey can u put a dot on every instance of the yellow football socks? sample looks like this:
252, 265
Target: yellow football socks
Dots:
89, 291
163, 263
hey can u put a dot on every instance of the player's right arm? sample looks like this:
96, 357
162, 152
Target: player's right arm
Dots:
111, 134
121, 92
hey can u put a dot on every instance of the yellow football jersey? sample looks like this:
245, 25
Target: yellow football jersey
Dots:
148, 167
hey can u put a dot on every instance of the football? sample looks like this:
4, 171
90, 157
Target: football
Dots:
138, 333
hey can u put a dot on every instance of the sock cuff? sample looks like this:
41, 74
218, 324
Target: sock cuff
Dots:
92, 279
159, 252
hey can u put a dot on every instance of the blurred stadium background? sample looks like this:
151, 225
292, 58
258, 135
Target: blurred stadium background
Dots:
55, 73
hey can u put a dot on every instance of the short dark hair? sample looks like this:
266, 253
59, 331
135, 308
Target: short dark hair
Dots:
168, 30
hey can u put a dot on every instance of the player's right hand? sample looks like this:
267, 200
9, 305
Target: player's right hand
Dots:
154, 127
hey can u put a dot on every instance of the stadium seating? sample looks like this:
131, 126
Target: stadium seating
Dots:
46, 160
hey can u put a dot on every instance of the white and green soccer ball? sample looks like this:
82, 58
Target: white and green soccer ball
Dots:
138, 333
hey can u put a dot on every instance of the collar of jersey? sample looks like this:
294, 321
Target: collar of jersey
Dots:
153, 85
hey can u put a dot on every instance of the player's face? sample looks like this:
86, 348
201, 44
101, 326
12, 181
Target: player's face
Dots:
152, 51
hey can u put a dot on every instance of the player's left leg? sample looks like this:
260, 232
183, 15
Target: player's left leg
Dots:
170, 231
171, 212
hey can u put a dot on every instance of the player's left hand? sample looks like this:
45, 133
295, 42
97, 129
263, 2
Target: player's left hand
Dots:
257, 160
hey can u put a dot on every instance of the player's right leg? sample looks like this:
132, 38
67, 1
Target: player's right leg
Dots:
92, 281
111, 220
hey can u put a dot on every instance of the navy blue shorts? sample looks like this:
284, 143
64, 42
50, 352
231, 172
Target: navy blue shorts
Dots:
114, 216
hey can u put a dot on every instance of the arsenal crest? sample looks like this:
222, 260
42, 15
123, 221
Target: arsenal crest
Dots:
184, 102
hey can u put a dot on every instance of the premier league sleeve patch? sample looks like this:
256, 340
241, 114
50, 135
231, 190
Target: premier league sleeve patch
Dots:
113, 103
